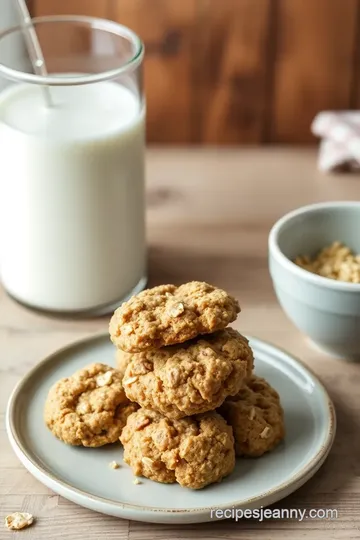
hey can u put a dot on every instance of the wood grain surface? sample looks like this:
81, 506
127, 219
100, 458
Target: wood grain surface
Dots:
314, 63
166, 28
95, 8
209, 214
238, 71
231, 76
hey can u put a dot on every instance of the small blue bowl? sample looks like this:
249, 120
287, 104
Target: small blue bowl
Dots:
326, 310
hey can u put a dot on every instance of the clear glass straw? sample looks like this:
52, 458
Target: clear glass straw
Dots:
33, 47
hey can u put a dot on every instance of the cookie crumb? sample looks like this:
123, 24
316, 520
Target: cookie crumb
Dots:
114, 465
105, 379
19, 520
252, 413
130, 380
136, 481
265, 432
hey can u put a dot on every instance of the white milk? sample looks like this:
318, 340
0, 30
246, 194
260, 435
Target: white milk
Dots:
71, 195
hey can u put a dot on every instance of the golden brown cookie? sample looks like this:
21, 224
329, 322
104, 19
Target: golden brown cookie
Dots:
256, 416
89, 408
190, 378
194, 451
167, 315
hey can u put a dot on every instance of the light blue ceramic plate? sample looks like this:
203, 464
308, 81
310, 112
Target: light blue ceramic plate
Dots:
83, 476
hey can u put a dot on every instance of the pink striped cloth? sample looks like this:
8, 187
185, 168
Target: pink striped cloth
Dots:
340, 144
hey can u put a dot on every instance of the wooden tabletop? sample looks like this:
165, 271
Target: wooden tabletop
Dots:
209, 214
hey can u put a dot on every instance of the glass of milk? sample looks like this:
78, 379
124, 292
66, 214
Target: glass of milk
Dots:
72, 217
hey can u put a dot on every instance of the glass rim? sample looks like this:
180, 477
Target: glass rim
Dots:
95, 23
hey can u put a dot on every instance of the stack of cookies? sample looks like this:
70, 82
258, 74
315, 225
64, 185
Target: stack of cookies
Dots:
184, 400
191, 376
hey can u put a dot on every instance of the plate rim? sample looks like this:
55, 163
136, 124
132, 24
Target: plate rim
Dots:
154, 514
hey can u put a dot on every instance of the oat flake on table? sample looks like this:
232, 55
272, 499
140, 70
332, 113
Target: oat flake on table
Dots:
19, 520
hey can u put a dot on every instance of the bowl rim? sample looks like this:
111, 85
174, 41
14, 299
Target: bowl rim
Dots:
301, 273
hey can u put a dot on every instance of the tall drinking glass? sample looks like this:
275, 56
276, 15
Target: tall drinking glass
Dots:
72, 218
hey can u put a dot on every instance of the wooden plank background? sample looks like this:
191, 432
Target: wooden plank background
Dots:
238, 71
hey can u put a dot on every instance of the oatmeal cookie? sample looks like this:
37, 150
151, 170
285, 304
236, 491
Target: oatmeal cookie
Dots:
194, 451
190, 378
167, 315
89, 408
256, 416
